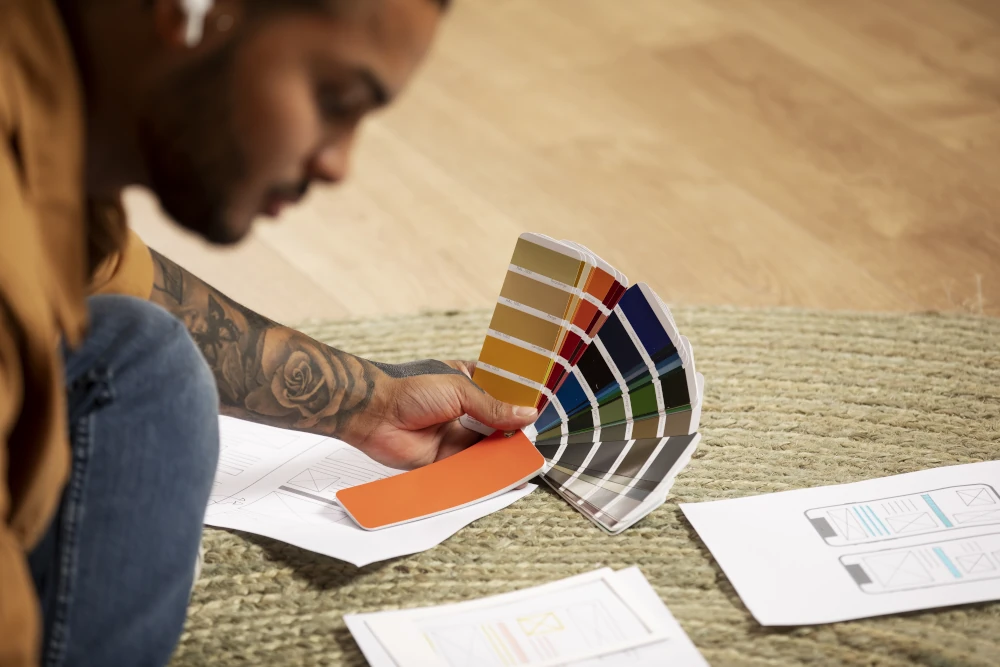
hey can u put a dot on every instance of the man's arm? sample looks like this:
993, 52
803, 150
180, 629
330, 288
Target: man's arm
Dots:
402, 415
265, 372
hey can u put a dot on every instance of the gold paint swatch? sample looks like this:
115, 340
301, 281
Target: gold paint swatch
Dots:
535, 294
546, 262
503, 389
514, 359
525, 327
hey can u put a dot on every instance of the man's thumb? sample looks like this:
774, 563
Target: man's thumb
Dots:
493, 413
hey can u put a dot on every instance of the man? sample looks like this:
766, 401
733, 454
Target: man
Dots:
108, 409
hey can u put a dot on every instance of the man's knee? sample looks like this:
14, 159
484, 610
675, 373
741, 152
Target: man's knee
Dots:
132, 335
160, 379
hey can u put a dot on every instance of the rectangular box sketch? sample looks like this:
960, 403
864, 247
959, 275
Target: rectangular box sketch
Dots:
927, 565
906, 516
234, 462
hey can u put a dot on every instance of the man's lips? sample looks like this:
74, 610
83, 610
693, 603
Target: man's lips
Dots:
278, 198
275, 204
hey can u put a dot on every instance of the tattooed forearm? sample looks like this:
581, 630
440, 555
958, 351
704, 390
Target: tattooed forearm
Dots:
266, 372
169, 278
413, 368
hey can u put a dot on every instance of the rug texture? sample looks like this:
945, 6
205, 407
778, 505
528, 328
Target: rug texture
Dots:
793, 399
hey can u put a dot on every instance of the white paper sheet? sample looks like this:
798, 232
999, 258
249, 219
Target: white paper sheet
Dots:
536, 626
883, 546
281, 484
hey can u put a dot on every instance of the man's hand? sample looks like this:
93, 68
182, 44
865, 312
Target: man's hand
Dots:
411, 419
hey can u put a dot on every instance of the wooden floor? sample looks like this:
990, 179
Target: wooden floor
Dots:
824, 153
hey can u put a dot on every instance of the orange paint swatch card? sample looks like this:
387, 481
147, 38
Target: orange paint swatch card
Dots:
486, 469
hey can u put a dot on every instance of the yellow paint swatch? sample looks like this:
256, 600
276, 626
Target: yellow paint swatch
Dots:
538, 295
544, 261
514, 359
505, 390
523, 326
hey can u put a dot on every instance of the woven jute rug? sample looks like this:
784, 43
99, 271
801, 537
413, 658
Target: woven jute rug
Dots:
793, 399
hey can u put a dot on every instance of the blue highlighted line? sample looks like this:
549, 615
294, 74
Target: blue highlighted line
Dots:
947, 562
864, 522
937, 510
875, 519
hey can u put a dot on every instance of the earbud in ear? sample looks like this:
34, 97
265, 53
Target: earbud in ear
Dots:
196, 11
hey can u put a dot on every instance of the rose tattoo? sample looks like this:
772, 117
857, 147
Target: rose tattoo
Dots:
302, 379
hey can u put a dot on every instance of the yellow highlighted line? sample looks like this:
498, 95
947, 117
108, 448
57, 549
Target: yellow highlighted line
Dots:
498, 645
495, 642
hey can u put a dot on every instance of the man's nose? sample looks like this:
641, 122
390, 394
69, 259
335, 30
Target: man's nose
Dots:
332, 162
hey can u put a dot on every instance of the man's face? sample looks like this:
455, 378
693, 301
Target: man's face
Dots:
244, 129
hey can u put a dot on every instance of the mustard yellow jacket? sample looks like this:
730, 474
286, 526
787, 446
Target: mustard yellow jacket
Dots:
55, 250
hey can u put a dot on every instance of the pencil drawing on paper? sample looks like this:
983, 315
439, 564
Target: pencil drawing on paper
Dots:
919, 513
943, 563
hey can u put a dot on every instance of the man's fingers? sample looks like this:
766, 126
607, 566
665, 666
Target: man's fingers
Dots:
466, 367
493, 413
455, 438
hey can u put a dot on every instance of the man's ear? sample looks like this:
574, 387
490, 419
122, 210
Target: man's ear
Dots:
195, 23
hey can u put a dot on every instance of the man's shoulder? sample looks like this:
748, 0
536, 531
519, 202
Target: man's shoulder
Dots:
41, 166
24, 20
7, 24
37, 66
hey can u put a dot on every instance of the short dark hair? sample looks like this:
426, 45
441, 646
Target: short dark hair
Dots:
443, 4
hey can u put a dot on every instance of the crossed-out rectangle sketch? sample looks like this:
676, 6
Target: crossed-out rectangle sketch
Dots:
247, 453
949, 562
906, 516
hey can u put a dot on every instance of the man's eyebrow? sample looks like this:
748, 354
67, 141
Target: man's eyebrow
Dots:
380, 92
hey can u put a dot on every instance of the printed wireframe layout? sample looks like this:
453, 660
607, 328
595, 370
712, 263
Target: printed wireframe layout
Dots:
907, 515
309, 495
283, 476
539, 636
509, 635
247, 453
930, 565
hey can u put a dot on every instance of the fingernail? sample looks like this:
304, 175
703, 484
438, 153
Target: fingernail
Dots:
524, 411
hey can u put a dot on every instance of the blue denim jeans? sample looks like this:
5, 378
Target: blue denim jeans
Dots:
115, 568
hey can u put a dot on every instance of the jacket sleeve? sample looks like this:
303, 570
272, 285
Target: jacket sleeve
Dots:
19, 611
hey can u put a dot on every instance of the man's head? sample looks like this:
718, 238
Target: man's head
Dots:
267, 101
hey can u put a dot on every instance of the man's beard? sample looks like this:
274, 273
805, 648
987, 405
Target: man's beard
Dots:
191, 154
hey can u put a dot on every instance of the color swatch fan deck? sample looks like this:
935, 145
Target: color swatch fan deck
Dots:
615, 384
